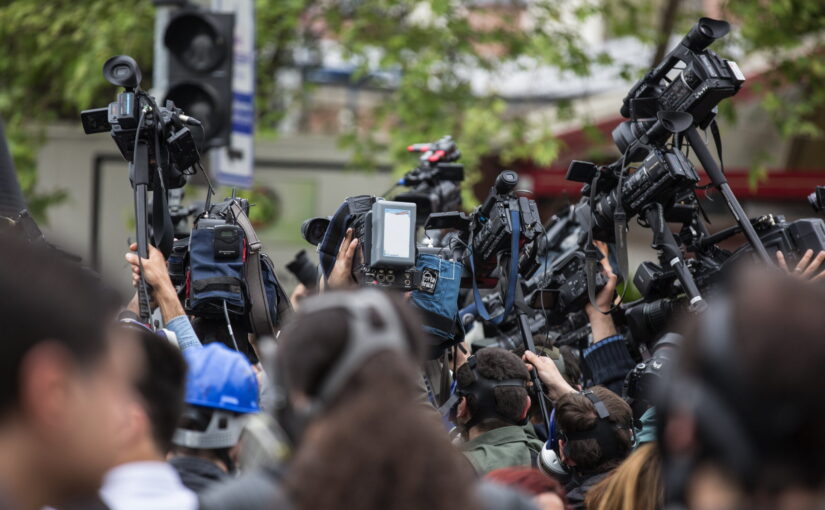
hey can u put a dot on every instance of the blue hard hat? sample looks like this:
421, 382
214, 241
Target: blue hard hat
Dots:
221, 378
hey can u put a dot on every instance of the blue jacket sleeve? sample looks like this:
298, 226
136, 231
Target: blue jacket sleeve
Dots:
182, 328
609, 361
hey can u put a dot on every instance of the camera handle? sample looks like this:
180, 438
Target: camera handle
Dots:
530, 345
671, 255
718, 180
140, 178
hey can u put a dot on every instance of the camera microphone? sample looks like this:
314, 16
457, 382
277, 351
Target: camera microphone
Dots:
187, 119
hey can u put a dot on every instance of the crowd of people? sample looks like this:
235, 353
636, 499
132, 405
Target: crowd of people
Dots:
100, 411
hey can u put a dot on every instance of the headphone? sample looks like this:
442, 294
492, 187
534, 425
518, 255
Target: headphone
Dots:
604, 432
365, 340
482, 389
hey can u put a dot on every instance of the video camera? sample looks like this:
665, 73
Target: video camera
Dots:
489, 232
135, 117
435, 181
658, 179
159, 147
704, 81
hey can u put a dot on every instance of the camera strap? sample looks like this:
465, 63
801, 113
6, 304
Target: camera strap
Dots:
717, 141
591, 254
512, 278
162, 231
259, 316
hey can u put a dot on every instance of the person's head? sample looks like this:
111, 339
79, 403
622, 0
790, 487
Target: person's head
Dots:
347, 372
595, 429
158, 397
635, 485
744, 415
547, 493
326, 331
221, 388
63, 383
492, 389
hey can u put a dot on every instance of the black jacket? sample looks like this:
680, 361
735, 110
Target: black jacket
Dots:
579, 485
198, 474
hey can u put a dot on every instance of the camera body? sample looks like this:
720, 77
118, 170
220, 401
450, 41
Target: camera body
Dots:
386, 234
658, 180
488, 231
304, 270
435, 182
703, 82
176, 145
566, 290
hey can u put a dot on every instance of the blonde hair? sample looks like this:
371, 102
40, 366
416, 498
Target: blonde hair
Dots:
635, 485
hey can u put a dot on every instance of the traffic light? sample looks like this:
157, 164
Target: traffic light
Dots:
199, 45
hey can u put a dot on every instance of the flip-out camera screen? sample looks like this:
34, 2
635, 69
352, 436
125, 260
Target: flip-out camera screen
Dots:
397, 233
393, 233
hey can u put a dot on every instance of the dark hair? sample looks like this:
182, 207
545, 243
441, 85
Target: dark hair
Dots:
576, 413
403, 459
497, 364
44, 297
769, 378
161, 385
529, 480
572, 369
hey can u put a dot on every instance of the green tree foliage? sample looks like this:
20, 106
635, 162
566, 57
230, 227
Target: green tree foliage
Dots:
791, 35
53, 52
50, 68
433, 45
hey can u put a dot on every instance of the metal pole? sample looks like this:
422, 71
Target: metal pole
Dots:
719, 181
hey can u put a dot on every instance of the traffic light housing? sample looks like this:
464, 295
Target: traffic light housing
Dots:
199, 45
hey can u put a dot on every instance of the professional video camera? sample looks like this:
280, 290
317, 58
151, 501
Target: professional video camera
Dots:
704, 80
435, 181
158, 145
662, 295
498, 229
662, 187
142, 129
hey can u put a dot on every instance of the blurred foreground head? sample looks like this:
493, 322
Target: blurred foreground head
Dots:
346, 372
744, 416
63, 381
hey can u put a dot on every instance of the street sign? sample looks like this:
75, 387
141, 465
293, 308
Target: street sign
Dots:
235, 165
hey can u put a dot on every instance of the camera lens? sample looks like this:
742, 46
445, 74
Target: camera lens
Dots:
120, 71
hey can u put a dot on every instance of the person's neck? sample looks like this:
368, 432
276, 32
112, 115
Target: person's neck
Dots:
143, 450
22, 484
477, 431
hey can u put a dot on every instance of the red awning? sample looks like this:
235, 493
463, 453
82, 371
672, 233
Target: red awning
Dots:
780, 184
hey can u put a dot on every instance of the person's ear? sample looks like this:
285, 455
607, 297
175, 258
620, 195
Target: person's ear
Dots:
137, 424
564, 458
46, 386
527, 404
463, 411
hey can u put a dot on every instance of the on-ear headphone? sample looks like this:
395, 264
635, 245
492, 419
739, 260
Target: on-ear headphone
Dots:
605, 432
482, 390
365, 339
